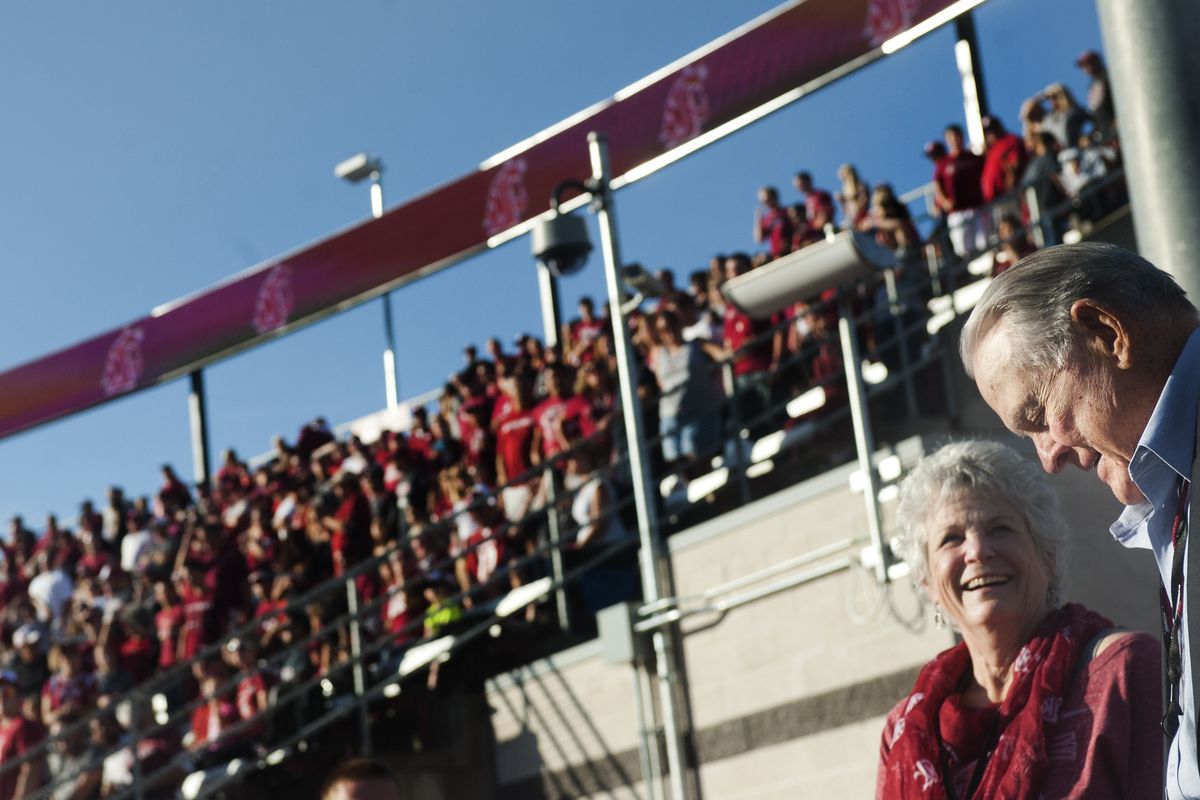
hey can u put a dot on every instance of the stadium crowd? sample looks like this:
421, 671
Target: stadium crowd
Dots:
457, 508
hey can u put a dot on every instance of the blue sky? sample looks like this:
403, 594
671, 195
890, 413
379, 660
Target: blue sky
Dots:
151, 149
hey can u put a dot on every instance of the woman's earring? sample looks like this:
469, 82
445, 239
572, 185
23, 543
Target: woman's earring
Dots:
939, 621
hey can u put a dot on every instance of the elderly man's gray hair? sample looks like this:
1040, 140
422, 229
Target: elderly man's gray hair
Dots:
987, 468
1034, 299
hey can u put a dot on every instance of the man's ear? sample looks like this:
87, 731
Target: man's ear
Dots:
1104, 332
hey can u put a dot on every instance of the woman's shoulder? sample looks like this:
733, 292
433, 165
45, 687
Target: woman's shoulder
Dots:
1121, 643
1123, 656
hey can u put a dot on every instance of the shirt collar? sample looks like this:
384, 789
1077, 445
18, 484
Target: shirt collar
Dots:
1171, 433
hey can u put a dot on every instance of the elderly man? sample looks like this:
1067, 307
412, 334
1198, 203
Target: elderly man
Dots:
1092, 353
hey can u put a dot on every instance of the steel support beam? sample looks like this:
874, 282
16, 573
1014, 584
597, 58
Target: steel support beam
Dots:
1153, 62
198, 415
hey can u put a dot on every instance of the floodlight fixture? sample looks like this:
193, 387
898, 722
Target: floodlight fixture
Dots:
358, 168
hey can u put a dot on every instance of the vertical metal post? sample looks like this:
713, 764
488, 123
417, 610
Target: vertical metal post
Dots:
864, 439
652, 567
364, 716
647, 738
390, 379
1153, 64
896, 307
551, 306
551, 325
970, 72
740, 436
1043, 233
135, 730
933, 265
198, 416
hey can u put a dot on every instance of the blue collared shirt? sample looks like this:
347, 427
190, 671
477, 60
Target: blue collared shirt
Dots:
1164, 455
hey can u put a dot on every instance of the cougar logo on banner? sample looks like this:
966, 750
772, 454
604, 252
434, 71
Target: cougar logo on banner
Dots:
886, 18
123, 365
687, 109
506, 198
275, 301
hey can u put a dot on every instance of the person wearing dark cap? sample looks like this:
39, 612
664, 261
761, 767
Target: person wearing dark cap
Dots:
1003, 161
360, 779
1099, 94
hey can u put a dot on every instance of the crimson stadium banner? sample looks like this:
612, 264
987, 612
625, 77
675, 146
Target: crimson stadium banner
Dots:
775, 54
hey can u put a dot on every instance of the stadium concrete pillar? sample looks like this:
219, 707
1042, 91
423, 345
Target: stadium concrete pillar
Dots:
970, 72
198, 415
1153, 61
654, 568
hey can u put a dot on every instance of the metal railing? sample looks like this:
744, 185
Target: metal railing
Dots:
372, 666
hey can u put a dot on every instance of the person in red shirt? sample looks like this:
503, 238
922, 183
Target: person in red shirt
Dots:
487, 551
515, 450
167, 623
251, 697
547, 435
515, 432
173, 494
350, 525
752, 353
70, 689
420, 438
771, 222
584, 334
958, 187
818, 205
135, 651
957, 175
18, 735
197, 628
1003, 161
404, 614
213, 717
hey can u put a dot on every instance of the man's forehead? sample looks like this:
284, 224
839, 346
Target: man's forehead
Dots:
993, 362
1006, 386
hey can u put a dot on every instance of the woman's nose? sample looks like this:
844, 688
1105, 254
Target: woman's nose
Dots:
976, 546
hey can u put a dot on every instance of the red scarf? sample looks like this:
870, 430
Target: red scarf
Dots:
939, 739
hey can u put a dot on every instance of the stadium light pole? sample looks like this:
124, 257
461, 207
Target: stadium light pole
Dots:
651, 551
356, 169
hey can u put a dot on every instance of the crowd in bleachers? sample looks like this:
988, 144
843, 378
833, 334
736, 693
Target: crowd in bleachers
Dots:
457, 509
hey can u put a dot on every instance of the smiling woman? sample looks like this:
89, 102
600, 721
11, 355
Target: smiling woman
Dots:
1039, 699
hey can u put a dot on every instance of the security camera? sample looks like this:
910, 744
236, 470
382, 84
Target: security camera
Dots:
561, 243
642, 282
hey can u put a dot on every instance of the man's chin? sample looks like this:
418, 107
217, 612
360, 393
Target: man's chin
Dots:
1116, 477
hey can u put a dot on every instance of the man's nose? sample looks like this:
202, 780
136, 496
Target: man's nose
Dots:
1054, 456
